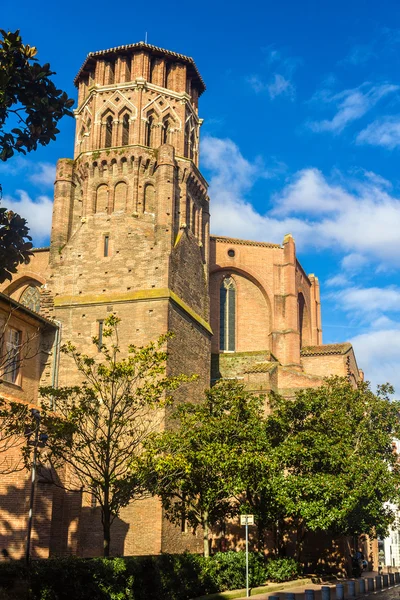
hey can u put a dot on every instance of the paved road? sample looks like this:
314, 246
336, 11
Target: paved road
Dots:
388, 594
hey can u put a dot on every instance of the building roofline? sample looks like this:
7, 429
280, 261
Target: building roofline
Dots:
325, 349
41, 249
27, 311
139, 46
229, 240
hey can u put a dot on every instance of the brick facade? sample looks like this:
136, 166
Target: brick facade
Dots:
130, 235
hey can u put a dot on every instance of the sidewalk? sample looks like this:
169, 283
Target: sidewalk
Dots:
299, 590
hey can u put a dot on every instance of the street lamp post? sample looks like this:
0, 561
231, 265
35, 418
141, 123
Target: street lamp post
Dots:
39, 440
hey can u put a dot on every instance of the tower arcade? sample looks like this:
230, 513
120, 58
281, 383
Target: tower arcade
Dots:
130, 226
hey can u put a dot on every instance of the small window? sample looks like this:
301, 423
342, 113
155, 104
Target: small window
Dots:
100, 334
106, 244
125, 130
192, 149
108, 135
12, 362
165, 133
152, 69
149, 131
231, 253
168, 67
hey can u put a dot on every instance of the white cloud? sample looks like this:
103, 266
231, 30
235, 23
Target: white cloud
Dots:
337, 281
44, 174
382, 132
278, 81
350, 105
41, 174
280, 86
37, 212
373, 300
310, 193
354, 262
378, 354
352, 215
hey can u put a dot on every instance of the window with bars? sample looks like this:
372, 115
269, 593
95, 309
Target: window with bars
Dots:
12, 361
227, 314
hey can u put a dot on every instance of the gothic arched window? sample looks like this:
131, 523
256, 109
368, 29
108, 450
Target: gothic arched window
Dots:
108, 134
227, 321
125, 130
31, 298
149, 132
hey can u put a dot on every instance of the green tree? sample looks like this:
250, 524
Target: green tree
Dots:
14, 416
197, 467
98, 427
30, 108
27, 93
334, 444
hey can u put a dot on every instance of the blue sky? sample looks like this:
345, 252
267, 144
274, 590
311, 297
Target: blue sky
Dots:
301, 134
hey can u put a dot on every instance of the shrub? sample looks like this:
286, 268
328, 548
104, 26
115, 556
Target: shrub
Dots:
228, 570
282, 569
165, 577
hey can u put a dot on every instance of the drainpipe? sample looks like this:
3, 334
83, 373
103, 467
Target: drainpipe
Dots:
56, 358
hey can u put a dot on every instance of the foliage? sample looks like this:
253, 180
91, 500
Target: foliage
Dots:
228, 570
282, 569
30, 100
98, 427
165, 577
321, 461
14, 417
28, 93
196, 466
15, 243
334, 444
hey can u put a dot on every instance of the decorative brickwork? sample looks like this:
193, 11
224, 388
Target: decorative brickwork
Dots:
130, 235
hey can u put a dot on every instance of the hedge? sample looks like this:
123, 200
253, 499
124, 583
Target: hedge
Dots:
164, 577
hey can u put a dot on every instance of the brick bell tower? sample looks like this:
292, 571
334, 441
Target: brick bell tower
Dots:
130, 233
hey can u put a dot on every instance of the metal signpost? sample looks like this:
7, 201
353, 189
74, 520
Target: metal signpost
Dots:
247, 520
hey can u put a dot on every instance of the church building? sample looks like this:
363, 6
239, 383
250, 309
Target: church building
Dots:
131, 236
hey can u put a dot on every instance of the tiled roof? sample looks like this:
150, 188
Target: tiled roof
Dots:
228, 240
326, 349
142, 45
32, 313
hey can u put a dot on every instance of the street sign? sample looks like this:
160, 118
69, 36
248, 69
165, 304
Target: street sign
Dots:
247, 519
